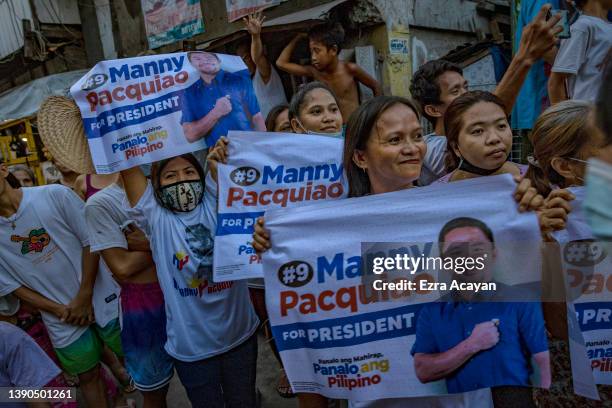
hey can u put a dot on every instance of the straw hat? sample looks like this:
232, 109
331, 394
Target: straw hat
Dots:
61, 129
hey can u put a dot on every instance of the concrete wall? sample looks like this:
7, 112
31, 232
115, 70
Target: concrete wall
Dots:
418, 31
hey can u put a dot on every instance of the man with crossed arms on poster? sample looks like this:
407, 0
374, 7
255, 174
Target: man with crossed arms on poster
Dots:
470, 340
219, 101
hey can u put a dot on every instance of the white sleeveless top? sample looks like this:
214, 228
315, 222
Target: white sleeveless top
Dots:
271, 94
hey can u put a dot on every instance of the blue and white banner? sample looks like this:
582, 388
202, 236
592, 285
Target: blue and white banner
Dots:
587, 267
144, 109
266, 171
340, 337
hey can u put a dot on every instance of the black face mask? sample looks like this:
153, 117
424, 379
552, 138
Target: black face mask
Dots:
470, 168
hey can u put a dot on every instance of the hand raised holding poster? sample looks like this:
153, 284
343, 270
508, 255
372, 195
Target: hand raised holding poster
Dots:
144, 109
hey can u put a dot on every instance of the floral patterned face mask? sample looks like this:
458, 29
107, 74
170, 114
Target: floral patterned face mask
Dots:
183, 196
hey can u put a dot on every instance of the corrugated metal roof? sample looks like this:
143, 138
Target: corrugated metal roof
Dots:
314, 13
58, 11
48, 11
303, 16
11, 14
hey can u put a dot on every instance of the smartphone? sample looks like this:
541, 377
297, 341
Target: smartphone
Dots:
563, 23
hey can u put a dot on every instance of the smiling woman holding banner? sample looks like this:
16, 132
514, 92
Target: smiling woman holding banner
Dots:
383, 152
210, 326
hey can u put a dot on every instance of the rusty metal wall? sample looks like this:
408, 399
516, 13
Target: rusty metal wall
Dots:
11, 13
57, 11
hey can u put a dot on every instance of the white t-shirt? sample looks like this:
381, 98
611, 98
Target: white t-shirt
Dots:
271, 94
43, 252
204, 319
22, 362
433, 163
105, 297
104, 214
583, 55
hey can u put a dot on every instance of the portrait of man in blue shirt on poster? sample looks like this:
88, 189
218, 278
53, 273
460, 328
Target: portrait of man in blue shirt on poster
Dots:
219, 101
471, 340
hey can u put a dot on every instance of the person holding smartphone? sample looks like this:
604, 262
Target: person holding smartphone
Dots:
580, 63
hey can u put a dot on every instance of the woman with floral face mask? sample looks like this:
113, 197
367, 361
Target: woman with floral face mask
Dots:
314, 110
563, 139
210, 326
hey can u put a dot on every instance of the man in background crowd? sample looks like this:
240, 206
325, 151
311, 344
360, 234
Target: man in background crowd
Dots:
438, 83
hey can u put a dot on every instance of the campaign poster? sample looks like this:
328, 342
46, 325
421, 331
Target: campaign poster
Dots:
587, 267
266, 171
236, 9
169, 21
140, 110
341, 335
